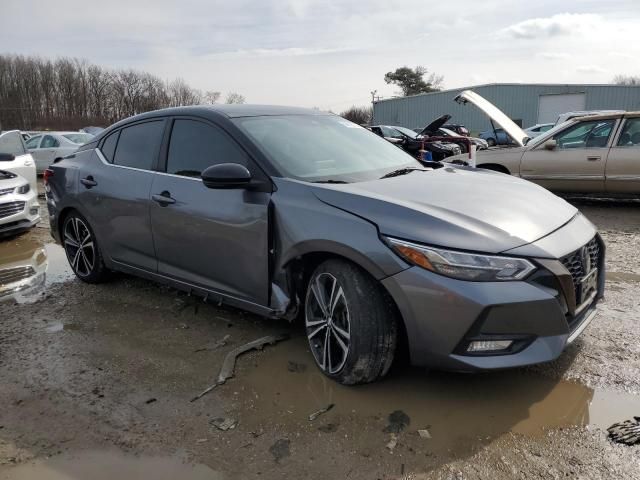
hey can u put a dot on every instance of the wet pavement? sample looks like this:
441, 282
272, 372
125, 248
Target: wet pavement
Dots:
96, 380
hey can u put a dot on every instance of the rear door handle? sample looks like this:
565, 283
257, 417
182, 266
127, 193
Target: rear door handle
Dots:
163, 199
89, 182
594, 159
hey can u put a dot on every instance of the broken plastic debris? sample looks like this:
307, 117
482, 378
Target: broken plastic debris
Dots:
392, 442
627, 432
424, 433
229, 363
214, 346
315, 415
224, 424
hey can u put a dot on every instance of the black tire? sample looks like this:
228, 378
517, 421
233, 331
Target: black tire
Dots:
371, 323
81, 247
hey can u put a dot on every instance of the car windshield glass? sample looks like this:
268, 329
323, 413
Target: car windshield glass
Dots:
317, 148
79, 138
449, 133
409, 133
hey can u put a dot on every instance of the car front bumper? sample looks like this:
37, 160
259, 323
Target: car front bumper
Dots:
18, 212
443, 315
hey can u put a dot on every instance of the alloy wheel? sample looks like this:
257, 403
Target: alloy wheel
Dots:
327, 322
79, 246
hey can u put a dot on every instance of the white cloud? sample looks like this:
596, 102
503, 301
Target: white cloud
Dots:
590, 69
554, 55
556, 25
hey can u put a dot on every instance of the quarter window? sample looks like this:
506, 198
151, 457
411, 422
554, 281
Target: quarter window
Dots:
138, 145
108, 147
593, 134
630, 136
195, 146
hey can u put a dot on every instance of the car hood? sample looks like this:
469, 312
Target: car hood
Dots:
435, 125
466, 209
495, 114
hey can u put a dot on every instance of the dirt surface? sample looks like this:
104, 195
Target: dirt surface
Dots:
96, 382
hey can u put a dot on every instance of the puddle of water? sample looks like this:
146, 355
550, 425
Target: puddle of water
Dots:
458, 410
28, 266
107, 466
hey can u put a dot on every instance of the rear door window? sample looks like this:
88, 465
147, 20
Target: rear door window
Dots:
49, 142
195, 146
139, 144
33, 142
630, 135
108, 147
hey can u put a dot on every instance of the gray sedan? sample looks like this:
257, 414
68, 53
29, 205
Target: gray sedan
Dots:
292, 213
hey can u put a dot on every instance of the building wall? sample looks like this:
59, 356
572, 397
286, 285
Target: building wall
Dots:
518, 101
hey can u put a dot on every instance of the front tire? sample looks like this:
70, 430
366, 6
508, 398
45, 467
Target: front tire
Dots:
81, 246
351, 323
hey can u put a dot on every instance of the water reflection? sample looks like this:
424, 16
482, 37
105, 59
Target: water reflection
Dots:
28, 265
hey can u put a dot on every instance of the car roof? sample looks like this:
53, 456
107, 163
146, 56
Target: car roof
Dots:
606, 116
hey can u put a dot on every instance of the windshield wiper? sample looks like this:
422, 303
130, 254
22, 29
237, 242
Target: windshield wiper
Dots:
329, 181
403, 171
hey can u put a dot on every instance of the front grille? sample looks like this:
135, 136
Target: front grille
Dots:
11, 208
575, 262
12, 275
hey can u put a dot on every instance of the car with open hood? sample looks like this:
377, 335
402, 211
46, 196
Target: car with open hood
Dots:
437, 129
302, 215
413, 143
594, 154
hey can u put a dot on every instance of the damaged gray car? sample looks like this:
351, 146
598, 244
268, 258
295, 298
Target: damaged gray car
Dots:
293, 213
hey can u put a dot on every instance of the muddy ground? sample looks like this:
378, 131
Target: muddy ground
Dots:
96, 382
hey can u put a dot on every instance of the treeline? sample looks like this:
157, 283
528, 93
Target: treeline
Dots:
68, 93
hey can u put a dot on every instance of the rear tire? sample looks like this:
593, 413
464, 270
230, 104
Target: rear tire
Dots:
81, 247
351, 323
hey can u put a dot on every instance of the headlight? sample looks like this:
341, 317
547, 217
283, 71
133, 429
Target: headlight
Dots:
22, 189
463, 266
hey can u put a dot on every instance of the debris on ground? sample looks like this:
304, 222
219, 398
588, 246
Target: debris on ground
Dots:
627, 432
398, 421
322, 411
393, 442
151, 400
295, 367
424, 433
224, 424
215, 345
328, 428
280, 449
229, 363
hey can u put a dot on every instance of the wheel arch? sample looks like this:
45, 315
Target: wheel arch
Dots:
496, 167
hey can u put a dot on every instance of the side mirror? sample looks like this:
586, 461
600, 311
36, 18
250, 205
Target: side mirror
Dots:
7, 157
226, 175
550, 144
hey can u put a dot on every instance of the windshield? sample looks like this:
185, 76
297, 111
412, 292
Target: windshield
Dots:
79, 138
409, 133
448, 133
317, 148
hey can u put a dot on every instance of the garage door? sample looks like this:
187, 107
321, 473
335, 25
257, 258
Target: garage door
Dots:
550, 106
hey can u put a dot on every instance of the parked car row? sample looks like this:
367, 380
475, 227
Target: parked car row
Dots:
594, 153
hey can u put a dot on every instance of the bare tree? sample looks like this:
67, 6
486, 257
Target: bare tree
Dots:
234, 97
629, 80
359, 115
69, 93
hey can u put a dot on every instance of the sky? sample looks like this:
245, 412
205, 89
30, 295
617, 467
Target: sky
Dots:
331, 54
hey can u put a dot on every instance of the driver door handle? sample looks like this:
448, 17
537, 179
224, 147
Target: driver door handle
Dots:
163, 199
593, 159
88, 182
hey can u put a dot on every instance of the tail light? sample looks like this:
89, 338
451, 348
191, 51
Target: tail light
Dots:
48, 173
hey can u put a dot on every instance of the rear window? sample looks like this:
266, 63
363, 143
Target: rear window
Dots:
139, 144
79, 138
12, 143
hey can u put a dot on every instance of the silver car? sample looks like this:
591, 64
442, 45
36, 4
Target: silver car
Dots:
296, 214
49, 147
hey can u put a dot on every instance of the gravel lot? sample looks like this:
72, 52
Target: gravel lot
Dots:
96, 382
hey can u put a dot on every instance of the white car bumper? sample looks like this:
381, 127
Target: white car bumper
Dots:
19, 211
